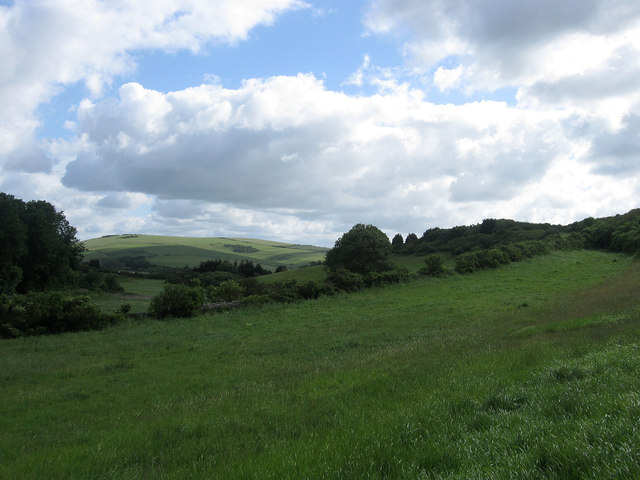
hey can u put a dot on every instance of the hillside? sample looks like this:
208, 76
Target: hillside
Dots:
619, 233
527, 371
147, 251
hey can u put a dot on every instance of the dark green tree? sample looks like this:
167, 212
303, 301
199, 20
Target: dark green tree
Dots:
13, 238
363, 249
397, 243
53, 251
411, 238
38, 247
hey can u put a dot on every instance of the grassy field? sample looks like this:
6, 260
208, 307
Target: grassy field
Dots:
525, 372
301, 275
138, 293
188, 251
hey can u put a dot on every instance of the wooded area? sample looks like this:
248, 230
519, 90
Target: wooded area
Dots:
39, 246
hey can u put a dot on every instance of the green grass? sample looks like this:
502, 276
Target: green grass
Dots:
178, 252
301, 275
141, 286
525, 372
138, 293
318, 272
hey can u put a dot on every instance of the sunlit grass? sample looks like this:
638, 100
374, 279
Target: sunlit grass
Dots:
528, 371
178, 252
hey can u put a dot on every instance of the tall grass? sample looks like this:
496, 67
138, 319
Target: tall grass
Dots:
529, 371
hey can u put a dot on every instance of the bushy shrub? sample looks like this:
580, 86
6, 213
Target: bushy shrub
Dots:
513, 252
494, 257
124, 308
467, 263
227, 291
96, 280
396, 275
41, 313
251, 286
177, 301
491, 258
283, 292
111, 284
343, 279
626, 238
310, 289
433, 266
91, 280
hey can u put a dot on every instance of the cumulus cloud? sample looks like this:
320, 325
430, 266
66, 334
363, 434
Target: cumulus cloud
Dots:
45, 46
505, 43
447, 78
288, 143
286, 158
577, 58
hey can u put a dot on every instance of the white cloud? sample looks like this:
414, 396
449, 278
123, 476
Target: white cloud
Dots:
286, 158
290, 148
447, 78
46, 45
502, 43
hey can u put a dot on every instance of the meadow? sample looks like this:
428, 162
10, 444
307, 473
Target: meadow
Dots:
528, 371
138, 293
178, 252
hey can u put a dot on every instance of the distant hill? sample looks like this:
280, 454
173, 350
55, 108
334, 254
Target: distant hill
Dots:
619, 233
140, 252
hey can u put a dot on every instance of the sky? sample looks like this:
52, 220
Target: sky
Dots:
293, 120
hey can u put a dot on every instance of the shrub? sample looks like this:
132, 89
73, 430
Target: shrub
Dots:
491, 258
111, 284
434, 266
91, 280
251, 286
283, 292
41, 313
177, 301
227, 291
467, 263
124, 308
396, 275
343, 279
310, 289
513, 252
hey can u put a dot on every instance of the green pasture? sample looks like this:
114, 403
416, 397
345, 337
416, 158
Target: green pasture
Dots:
529, 371
318, 273
315, 273
178, 252
138, 293
138, 286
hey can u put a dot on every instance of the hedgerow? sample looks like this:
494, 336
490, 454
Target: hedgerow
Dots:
50, 312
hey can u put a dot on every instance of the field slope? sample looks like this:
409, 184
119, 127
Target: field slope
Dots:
190, 251
529, 371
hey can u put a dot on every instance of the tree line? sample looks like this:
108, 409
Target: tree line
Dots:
39, 251
619, 233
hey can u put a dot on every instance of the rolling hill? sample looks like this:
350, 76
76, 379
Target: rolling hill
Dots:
177, 252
